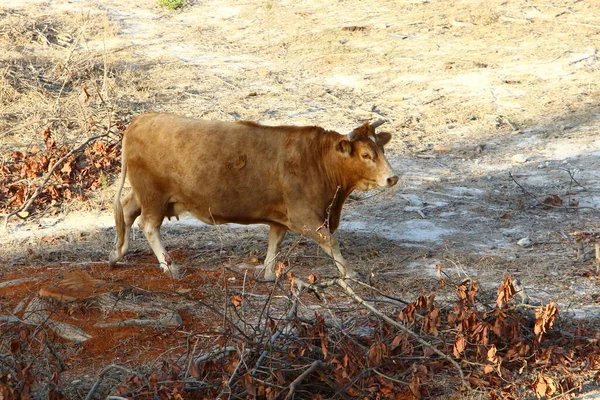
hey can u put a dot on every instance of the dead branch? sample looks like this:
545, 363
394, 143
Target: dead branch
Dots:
14, 282
103, 373
165, 320
218, 352
387, 296
68, 60
36, 314
33, 122
235, 371
294, 385
342, 284
38, 191
291, 314
61, 364
510, 175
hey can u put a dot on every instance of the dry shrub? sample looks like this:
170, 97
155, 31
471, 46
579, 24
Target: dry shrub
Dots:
20, 29
78, 177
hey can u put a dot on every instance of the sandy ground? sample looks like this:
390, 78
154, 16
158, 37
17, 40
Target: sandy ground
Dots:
493, 107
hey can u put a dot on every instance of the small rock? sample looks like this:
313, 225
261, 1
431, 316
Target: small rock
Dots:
519, 158
525, 242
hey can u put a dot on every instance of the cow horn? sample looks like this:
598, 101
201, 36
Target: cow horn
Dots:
378, 123
352, 135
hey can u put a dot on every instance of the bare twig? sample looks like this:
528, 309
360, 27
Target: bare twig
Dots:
218, 352
288, 319
510, 175
234, 373
371, 287
68, 60
294, 385
103, 373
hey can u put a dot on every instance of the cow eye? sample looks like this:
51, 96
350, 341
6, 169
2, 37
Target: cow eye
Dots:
366, 156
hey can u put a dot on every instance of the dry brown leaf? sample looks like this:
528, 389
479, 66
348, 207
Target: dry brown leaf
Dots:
407, 315
421, 302
279, 269
545, 318
505, 292
459, 345
48, 140
396, 342
491, 354
553, 201
415, 387
84, 96
236, 300
431, 321
377, 352
544, 386
194, 371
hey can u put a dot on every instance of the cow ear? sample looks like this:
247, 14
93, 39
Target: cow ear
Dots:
384, 138
344, 146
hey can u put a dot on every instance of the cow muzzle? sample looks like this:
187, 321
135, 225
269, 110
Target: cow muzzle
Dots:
388, 182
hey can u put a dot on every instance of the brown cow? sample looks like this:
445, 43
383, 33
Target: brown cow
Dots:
287, 177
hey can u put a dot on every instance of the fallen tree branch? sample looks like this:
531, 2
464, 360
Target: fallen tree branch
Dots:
224, 350
103, 373
294, 385
387, 296
234, 373
342, 284
38, 191
291, 314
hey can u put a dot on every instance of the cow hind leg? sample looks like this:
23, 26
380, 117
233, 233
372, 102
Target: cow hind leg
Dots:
276, 236
150, 225
131, 210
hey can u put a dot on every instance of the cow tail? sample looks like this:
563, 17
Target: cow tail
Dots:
117, 206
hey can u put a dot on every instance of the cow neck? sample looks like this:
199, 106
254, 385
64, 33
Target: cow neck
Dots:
338, 186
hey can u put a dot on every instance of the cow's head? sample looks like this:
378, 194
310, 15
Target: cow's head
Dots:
363, 149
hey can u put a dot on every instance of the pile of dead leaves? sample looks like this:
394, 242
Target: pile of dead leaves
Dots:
76, 178
505, 350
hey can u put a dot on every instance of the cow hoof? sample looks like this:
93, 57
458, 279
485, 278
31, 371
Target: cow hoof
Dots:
351, 275
173, 272
113, 257
269, 276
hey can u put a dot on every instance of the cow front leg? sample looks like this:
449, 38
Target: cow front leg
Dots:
151, 229
327, 241
276, 236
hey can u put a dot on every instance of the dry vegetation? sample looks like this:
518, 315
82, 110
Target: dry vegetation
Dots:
464, 85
